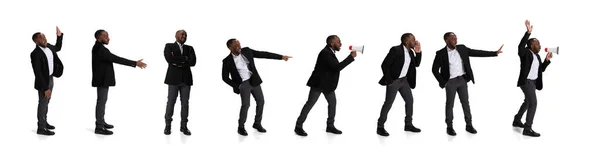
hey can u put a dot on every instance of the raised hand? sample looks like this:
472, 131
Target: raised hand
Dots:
286, 58
548, 56
353, 53
528, 25
500, 50
58, 32
140, 64
417, 47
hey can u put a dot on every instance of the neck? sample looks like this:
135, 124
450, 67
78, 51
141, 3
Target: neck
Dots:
451, 48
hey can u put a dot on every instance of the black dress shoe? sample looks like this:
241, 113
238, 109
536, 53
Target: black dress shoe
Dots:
531, 133
242, 131
451, 131
44, 131
48, 126
102, 131
259, 128
167, 130
185, 130
411, 128
471, 129
299, 131
382, 132
332, 129
518, 124
108, 126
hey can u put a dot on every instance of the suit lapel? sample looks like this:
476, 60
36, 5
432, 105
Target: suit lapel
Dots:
177, 52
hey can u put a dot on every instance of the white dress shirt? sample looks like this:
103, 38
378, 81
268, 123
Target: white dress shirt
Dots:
455, 62
407, 60
241, 63
50, 58
180, 47
535, 65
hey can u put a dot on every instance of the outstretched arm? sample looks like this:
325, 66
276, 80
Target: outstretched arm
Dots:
482, 53
106, 55
522, 47
59, 37
265, 54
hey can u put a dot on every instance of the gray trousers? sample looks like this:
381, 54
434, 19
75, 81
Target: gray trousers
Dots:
184, 90
454, 85
100, 105
245, 90
399, 85
529, 105
313, 96
42, 109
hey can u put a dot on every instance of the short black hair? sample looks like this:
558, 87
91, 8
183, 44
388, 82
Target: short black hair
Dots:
530, 41
330, 39
404, 37
230, 42
447, 34
98, 32
35, 35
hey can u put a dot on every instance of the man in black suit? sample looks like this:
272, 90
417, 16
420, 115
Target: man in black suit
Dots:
245, 80
399, 75
530, 79
46, 65
180, 58
103, 76
455, 73
324, 79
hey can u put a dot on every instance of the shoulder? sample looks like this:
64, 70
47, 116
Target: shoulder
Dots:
441, 51
34, 52
227, 58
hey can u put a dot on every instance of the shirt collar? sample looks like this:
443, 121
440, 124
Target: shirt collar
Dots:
449, 50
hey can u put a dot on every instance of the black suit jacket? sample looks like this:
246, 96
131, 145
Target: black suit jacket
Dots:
39, 63
103, 73
526, 60
229, 68
394, 62
179, 64
326, 74
441, 61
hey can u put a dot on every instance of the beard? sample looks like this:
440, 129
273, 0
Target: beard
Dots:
336, 48
535, 50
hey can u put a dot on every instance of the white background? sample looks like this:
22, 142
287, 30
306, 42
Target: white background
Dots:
567, 109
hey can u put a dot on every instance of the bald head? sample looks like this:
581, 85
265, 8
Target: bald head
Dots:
181, 36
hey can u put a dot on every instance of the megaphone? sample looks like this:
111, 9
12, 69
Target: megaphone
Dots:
552, 50
360, 49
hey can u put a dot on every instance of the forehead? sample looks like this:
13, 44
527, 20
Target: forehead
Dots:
181, 32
